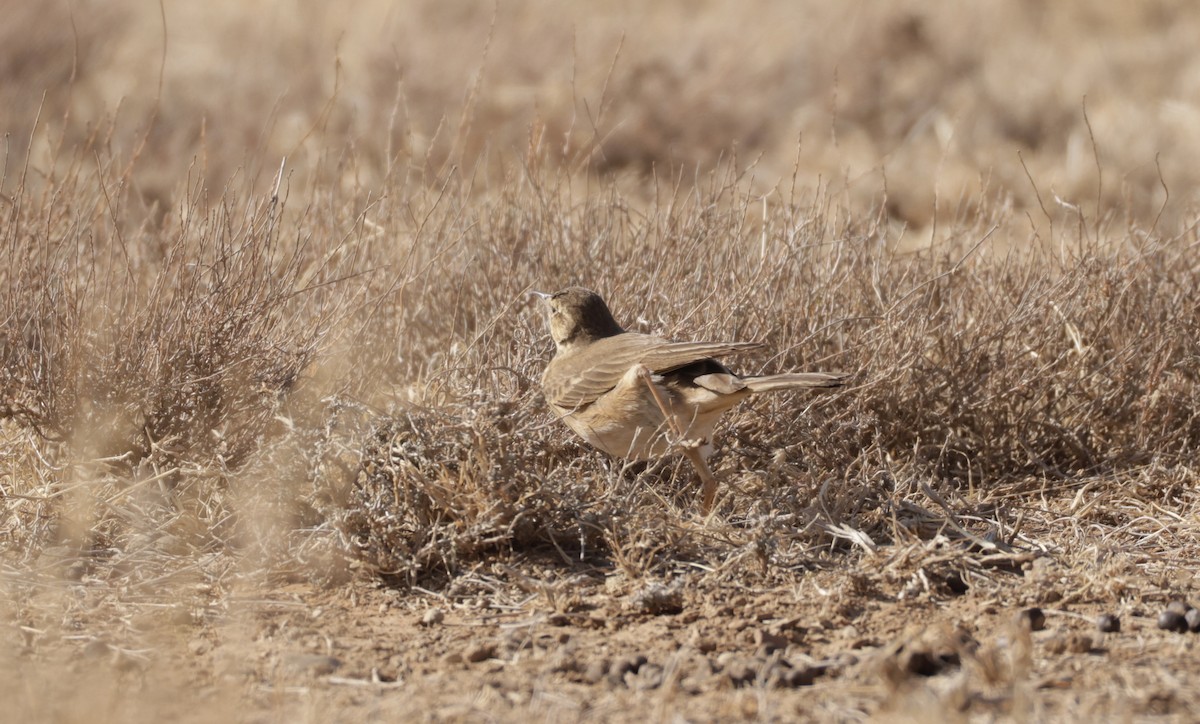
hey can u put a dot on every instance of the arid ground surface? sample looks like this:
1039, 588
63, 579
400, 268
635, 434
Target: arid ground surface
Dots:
272, 444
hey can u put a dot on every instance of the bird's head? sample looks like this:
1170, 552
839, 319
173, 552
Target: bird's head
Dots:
578, 315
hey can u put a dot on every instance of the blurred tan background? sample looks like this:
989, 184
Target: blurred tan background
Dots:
932, 101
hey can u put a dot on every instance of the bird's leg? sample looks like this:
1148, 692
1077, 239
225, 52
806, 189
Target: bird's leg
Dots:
690, 448
708, 490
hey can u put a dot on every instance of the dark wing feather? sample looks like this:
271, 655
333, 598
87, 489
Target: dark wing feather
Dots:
578, 378
673, 355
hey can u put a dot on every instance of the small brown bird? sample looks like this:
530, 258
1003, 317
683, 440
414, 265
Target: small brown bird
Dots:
638, 396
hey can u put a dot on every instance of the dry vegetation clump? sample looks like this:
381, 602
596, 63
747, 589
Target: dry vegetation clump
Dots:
1050, 364
976, 368
439, 489
146, 360
178, 346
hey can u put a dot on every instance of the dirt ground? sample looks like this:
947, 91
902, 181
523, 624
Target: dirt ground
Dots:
910, 634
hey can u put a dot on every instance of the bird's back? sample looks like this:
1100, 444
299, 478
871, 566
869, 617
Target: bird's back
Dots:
576, 377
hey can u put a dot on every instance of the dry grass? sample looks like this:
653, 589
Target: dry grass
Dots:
221, 386
975, 370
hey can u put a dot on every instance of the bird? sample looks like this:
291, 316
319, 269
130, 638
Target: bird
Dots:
638, 396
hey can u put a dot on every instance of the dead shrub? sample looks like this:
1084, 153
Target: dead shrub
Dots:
147, 359
439, 488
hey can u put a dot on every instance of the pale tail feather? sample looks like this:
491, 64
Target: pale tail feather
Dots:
793, 380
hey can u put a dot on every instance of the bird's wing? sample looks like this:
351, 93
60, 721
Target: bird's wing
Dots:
673, 355
577, 379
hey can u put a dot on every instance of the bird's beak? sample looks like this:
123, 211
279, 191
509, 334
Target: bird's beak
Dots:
541, 295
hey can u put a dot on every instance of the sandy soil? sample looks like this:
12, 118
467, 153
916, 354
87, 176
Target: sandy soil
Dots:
876, 637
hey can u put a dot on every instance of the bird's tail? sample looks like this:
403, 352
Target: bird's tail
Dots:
793, 380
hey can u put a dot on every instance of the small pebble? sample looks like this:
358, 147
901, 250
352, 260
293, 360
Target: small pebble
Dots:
1172, 621
922, 663
433, 617
785, 677
475, 653
657, 599
955, 583
1179, 607
629, 663
1108, 623
804, 676
1193, 620
1034, 618
626, 665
